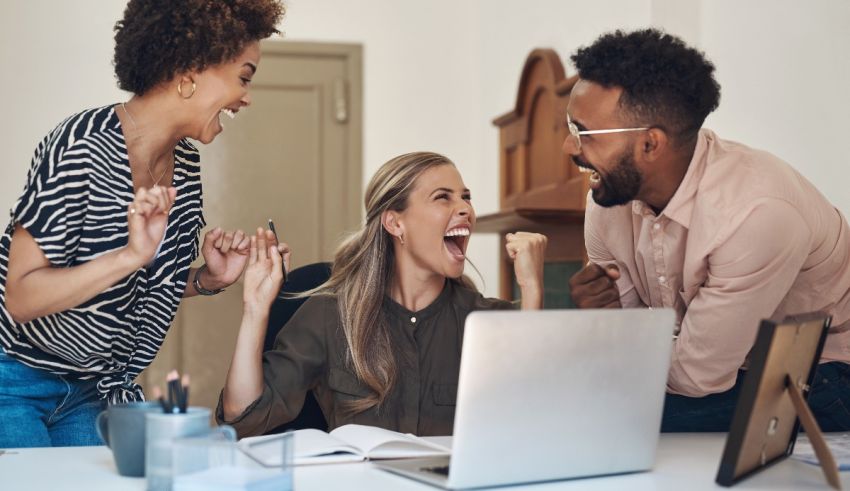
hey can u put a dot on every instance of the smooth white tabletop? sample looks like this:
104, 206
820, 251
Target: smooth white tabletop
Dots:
685, 461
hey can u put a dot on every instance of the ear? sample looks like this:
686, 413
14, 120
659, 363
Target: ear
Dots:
654, 144
392, 223
186, 77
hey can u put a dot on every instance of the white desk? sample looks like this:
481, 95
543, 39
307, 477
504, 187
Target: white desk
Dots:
685, 462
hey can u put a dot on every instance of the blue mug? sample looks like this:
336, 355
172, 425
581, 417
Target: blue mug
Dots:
122, 428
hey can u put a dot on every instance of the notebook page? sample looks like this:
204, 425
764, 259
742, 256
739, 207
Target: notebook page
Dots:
311, 446
379, 443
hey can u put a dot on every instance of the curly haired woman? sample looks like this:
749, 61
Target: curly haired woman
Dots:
96, 257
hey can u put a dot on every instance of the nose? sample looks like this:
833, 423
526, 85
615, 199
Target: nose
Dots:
465, 209
569, 146
246, 99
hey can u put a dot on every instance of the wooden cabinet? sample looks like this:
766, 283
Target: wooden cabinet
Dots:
540, 188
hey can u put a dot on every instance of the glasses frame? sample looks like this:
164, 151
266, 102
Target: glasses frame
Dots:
576, 134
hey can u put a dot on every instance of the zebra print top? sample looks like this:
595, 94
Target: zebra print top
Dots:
74, 205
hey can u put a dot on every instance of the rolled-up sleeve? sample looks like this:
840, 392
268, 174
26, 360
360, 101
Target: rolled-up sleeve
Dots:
750, 271
290, 369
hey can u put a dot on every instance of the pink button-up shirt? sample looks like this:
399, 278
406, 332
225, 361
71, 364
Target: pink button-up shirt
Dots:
745, 237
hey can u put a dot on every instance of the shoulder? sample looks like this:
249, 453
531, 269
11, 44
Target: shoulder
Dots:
85, 124
735, 175
320, 306
737, 180
86, 132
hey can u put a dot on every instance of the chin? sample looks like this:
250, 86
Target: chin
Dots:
207, 138
454, 272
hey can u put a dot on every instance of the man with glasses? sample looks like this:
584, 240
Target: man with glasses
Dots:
677, 217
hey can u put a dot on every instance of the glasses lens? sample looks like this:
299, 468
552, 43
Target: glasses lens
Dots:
574, 134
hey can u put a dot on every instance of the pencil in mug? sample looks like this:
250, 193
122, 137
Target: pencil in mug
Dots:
174, 392
184, 385
157, 394
271, 227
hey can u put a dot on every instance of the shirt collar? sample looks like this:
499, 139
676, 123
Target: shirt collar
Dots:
435, 307
681, 205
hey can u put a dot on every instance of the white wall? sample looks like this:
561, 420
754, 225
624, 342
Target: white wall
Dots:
57, 60
784, 73
437, 72
786, 76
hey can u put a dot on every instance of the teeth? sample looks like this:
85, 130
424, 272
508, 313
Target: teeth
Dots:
458, 232
229, 113
594, 176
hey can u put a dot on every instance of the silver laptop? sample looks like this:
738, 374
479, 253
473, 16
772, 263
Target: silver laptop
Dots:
554, 394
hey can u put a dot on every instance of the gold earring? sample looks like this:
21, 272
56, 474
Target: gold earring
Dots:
401, 238
180, 89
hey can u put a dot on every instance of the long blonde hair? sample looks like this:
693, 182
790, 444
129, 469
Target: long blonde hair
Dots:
363, 270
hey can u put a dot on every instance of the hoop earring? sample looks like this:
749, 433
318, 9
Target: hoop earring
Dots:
180, 89
401, 238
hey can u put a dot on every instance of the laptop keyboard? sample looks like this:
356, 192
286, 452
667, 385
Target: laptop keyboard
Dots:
440, 469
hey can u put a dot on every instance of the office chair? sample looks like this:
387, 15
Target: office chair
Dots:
298, 280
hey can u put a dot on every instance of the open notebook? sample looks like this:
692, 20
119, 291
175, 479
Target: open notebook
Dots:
349, 443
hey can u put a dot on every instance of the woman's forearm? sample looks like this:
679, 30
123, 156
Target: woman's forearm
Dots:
532, 297
48, 290
205, 279
244, 382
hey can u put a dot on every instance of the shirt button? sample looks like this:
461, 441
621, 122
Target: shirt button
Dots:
662, 279
656, 226
413, 320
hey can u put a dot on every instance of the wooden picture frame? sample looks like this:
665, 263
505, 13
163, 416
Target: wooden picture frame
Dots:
772, 404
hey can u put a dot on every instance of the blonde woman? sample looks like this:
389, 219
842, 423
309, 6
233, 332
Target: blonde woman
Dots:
380, 342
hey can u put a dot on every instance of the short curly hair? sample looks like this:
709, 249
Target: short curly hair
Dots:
158, 39
665, 83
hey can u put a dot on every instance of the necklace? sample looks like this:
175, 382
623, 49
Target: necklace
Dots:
136, 127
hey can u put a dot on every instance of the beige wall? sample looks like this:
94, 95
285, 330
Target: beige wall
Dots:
436, 72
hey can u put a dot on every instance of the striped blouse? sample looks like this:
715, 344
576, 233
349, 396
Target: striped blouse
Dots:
74, 205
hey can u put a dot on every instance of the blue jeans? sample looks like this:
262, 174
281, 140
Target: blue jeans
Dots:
39, 409
829, 400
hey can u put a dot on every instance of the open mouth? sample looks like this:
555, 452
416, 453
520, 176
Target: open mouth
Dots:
230, 113
455, 240
595, 178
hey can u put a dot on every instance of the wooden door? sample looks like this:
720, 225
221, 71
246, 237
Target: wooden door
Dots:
294, 155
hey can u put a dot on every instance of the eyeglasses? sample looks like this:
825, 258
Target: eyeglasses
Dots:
576, 134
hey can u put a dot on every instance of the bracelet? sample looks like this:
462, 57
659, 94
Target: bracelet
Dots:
197, 283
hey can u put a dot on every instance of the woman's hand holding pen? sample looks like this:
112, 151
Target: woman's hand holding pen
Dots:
264, 274
147, 218
261, 285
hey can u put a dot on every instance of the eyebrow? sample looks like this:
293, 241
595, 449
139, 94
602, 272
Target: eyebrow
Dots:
252, 66
448, 190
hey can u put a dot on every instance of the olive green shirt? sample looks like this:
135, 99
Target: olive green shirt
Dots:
310, 354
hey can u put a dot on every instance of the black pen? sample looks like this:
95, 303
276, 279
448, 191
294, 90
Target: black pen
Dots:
271, 227
184, 385
157, 394
174, 392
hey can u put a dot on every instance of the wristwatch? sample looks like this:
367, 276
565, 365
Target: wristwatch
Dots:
196, 282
